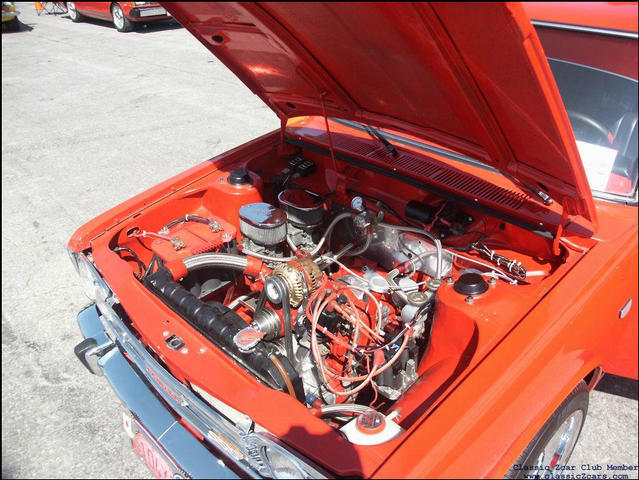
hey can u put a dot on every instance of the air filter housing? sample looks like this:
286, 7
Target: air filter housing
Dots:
263, 223
304, 209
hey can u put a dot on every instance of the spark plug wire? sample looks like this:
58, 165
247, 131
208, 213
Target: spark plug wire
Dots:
378, 356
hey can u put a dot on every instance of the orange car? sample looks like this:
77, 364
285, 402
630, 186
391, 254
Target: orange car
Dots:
423, 273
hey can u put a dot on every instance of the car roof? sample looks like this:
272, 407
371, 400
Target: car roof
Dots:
620, 16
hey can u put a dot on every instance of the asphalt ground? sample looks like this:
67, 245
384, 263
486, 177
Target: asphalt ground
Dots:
91, 117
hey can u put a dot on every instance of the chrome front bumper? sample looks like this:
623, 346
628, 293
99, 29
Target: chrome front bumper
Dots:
139, 392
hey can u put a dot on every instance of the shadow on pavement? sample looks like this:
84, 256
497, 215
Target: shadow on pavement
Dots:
621, 386
16, 27
158, 26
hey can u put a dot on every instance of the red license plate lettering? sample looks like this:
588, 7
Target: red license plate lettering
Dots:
153, 459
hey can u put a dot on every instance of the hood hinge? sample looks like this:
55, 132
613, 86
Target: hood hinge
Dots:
565, 220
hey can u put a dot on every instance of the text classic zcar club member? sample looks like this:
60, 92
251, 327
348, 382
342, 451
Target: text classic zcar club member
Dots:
422, 274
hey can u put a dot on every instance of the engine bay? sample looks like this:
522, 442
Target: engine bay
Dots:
357, 303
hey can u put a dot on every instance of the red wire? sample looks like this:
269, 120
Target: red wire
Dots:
366, 379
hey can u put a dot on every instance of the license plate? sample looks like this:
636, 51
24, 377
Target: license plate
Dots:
155, 460
151, 12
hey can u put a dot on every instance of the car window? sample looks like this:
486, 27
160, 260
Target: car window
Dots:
602, 108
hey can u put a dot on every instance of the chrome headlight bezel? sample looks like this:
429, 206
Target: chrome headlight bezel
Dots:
91, 281
262, 449
74, 258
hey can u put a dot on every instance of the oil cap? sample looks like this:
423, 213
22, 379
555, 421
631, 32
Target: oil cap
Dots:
470, 284
239, 176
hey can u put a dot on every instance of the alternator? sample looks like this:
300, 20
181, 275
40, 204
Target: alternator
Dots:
302, 276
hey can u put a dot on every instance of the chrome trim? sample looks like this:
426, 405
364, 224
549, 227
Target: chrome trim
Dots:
626, 308
73, 258
582, 28
151, 11
228, 431
132, 386
630, 199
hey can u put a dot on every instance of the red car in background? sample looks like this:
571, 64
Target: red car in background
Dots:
124, 15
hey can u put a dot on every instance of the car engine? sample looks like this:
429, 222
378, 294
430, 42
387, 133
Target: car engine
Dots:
328, 297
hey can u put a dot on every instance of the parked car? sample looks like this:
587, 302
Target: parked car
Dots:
10, 16
422, 274
124, 15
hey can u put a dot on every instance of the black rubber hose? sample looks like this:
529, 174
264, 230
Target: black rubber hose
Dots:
187, 218
173, 223
154, 260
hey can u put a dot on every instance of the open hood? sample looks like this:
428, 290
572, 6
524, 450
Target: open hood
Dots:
470, 77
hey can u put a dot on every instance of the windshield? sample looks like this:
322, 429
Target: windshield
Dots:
599, 91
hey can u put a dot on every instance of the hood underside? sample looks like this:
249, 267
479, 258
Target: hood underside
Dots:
472, 78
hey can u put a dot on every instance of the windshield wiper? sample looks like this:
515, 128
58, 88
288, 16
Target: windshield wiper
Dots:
376, 134
544, 196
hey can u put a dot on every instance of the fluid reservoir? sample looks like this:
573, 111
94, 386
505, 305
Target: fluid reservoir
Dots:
230, 191
371, 428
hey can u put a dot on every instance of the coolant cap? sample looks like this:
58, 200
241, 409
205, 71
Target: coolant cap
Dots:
247, 338
371, 423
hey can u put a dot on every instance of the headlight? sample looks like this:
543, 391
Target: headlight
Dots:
94, 287
272, 460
